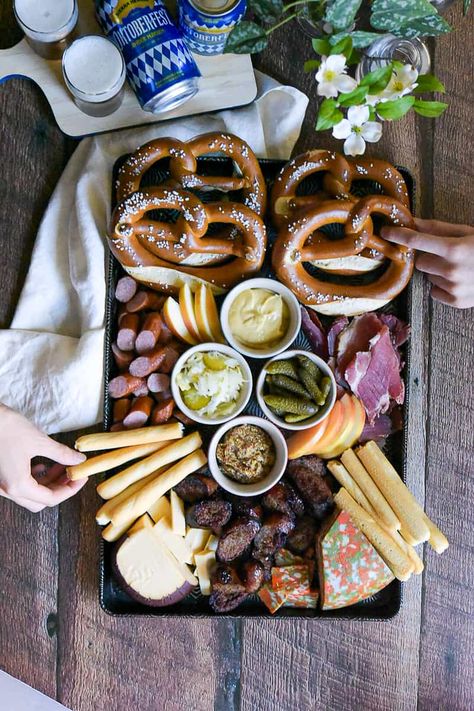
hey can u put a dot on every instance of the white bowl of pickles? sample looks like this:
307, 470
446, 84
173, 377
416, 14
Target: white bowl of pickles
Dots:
211, 383
296, 390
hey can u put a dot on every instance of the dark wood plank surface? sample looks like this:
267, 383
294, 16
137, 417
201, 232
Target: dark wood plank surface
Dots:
53, 634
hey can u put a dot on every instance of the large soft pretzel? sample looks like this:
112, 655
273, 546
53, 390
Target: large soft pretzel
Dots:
339, 174
291, 250
183, 167
146, 247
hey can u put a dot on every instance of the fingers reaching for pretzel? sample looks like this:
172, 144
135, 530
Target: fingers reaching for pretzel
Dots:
292, 250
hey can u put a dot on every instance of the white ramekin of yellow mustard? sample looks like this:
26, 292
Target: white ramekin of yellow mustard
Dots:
260, 318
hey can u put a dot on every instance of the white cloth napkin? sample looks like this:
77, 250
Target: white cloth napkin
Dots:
51, 361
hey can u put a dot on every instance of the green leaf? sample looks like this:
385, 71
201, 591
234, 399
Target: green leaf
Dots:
246, 38
392, 14
341, 13
311, 64
428, 82
431, 109
359, 39
267, 10
321, 46
394, 110
423, 27
328, 115
378, 79
466, 6
344, 46
353, 98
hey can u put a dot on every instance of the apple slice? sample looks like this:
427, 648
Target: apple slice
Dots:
348, 416
149, 573
333, 428
358, 425
186, 304
305, 441
175, 322
207, 316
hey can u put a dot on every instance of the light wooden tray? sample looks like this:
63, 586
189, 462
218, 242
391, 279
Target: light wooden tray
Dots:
227, 80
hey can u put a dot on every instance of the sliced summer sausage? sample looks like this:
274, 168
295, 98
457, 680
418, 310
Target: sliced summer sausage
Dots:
236, 538
283, 498
252, 575
302, 536
212, 514
196, 487
307, 474
272, 534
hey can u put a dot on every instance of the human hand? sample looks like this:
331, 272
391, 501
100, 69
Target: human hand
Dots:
446, 256
39, 486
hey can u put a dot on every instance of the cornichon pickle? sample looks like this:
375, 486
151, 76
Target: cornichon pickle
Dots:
312, 386
283, 381
295, 418
283, 367
292, 405
273, 389
325, 386
310, 366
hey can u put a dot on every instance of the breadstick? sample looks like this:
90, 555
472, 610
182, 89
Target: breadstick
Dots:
103, 514
437, 539
112, 533
136, 505
129, 438
174, 451
381, 507
413, 529
110, 460
396, 559
340, 473
409, 550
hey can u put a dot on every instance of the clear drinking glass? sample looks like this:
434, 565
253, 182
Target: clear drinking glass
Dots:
49, 25
94, 72
388, 48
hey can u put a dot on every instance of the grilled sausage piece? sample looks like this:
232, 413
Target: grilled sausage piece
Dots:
246, 507
302, 536
236, 538
252, 575
228, 592
196, 487
209, 514
272, 535
283, 498
307, 474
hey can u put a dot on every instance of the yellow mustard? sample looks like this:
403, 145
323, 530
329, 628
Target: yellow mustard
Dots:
258, 318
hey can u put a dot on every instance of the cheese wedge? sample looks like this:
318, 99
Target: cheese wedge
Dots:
205, 563
196, 539
178, 520
141, 523
212, 543
175, 544
160, 509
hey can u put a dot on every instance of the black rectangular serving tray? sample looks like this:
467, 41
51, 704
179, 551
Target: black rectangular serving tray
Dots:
113, 599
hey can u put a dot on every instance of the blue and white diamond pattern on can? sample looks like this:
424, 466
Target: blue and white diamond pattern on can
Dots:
161, 60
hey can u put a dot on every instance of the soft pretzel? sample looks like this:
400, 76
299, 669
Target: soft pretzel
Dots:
146, 247
339, 174
291, 250
183, 167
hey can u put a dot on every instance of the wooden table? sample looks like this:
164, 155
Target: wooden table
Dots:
54, 636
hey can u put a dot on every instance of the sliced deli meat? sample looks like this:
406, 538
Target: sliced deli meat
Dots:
374, 375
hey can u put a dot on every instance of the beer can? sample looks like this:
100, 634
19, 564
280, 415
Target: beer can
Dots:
206, 23
160, 66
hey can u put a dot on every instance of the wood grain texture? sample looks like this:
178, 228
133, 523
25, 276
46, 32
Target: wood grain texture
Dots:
447, 639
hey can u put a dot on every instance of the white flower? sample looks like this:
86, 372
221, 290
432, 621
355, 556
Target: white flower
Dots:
332, 77
357, 129
402, 82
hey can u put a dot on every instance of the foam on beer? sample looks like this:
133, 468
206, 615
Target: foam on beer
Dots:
46, 20
94, 67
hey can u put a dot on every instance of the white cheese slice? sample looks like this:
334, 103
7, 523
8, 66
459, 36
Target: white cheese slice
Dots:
141, 523
205, 563
175, 544
212, 543
148, 569
196, 539
178, 520
161, 508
